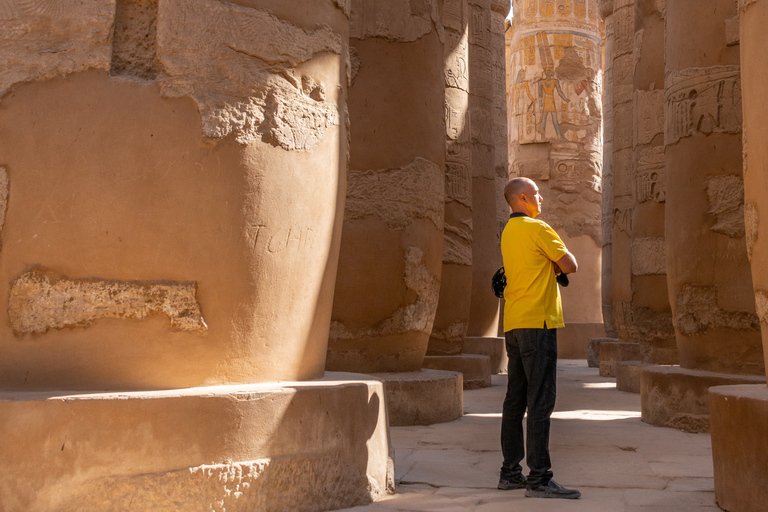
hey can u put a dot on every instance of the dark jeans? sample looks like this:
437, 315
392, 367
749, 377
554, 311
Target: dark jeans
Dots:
532, 367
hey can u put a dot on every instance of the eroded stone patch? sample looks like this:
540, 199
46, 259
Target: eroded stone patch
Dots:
457, 244
41, 300
417, 316
397, 196
237, 63
394, 21
135, 39
751, 221
40, 39
5, 185
698, 311
726, 203
649, 256
261, 484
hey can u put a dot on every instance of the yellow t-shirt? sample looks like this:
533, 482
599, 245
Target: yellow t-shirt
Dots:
529, 247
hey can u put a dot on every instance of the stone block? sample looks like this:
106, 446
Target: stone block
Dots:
611, 352
676, 397
573, 339
738, 416
593, 350
493, 347
239, 447
476, 369
628, 376
424, 397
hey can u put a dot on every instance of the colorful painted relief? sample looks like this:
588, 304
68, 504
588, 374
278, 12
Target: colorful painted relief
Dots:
550, 107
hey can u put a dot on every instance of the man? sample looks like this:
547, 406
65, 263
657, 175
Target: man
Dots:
533, 254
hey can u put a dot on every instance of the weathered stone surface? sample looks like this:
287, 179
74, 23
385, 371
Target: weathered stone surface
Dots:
4, 190
493, 347
457, 244
726, 204
649, 256
751, 223
414, 191
649, 115
41, 40
613, 352
698, 311
417, 316
134, 44
676, 397
41, 300
395, 20
238, 63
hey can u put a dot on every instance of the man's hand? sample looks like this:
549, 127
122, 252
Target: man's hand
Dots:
567, 264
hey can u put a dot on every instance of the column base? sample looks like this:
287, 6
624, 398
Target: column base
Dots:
476, 369
612, 352
738, 416
310, 446
573, 339
425, 397
675, 397
493, 347
629, 375
593, 350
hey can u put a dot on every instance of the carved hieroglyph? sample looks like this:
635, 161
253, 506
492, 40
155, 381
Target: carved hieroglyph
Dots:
402, 195
649, 115
703, 100
651, 176
237, 63
417, 316
42, 39
698, 311
40, 301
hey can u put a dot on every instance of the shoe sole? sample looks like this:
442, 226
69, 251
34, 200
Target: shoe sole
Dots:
564, 496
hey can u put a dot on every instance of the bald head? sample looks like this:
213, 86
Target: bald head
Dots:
522, 195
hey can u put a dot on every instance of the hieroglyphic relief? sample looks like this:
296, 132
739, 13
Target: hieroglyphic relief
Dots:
546, 7
531, 8
456, 66
480, 26
397, 20
455, 15
649, 115
651, 176
564, 7
703, 101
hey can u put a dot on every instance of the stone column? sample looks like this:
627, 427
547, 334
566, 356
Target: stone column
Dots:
392, 242
391, 255
486, 259
650, 310
606, 10
710, 286
556, 111
452, 318
738, 458
170, 172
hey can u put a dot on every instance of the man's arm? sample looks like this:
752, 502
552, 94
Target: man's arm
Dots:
567, 264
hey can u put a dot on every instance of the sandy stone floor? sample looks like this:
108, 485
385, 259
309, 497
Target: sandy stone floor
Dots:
598, 445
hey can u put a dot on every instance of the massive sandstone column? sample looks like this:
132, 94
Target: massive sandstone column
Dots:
740, 413
392, 244
606, 11
556, 141
486, 258
452, 317
172, 177
651, 316
709, 283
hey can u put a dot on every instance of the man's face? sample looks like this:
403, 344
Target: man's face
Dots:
532, 199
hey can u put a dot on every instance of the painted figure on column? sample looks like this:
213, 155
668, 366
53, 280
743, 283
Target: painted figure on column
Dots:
547, 88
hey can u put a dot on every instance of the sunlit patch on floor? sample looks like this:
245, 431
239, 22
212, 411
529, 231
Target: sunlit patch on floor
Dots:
599, 385
592, 415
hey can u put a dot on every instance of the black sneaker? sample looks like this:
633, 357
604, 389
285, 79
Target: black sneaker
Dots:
516, 482
552, 490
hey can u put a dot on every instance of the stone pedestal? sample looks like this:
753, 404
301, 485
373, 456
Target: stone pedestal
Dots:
629, 375
593, 350
493, 347
242, 447
423, 398
612, 352
676, 397
573, 339
476, 369
739, 415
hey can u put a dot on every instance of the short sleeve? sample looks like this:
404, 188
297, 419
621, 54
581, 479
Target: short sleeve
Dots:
551, 244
